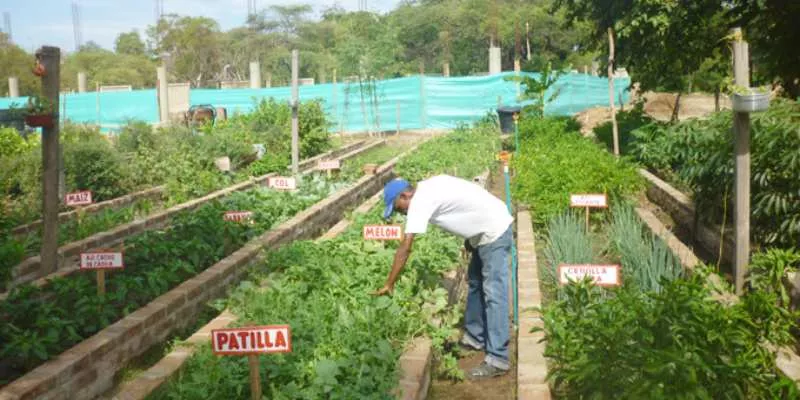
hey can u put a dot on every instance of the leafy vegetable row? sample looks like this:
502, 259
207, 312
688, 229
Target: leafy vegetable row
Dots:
42, 322
346, 343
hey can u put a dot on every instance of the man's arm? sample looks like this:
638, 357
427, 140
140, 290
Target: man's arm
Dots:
400, 258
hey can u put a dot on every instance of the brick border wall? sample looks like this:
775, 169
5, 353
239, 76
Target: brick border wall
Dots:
88, 369
681, 208
31, 268
531, 363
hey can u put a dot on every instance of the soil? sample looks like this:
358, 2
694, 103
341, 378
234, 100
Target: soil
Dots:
499, 388
659, 106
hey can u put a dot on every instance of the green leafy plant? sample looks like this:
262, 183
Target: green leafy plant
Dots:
699, 154
646, 260
567, 243
538, 88
555, 162
671, 344
769, 272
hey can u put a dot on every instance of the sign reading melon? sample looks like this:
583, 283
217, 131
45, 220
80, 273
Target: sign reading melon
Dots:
329, 165
81, 198
282, 183
603, 275
588, 200
251, 340
383, 232
102, 260
238, 216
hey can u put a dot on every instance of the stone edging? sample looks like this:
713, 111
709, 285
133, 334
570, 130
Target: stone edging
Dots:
30, 269
87, 369
681, 208
531, 363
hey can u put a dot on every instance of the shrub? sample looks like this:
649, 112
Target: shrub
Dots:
627, 122
672, 344
136, 135
94, 165
554, 162
700, 152
12, 144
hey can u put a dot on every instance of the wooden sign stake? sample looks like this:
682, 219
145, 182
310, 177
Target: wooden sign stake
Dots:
587, 219
255, 378
101, 282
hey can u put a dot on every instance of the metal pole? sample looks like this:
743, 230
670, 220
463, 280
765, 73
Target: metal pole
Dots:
50, 58
513, 247
295, 123
741, 129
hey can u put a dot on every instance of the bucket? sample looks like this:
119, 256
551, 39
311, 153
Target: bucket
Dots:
506, 115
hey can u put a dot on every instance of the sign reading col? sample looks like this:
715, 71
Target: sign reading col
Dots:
282, 183
588, 200
252, 340
102, 260
383, 232
81, 198
603, 275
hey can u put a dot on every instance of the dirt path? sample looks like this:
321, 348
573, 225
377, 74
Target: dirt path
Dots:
500, 388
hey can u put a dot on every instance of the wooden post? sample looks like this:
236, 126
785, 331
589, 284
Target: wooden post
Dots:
50, 58
528, 39
295, 122
398, 118
255, 377
614, 128
101, 282
587, 219
741, 129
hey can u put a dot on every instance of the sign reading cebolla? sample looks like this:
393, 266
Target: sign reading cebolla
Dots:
329, 165
588, 200
252, 340
603, 275
102, 260
383, 232
238, 216
282, 183
81, 198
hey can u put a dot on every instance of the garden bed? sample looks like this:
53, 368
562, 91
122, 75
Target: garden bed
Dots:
88, 368
621, 342
372, 261
31, 269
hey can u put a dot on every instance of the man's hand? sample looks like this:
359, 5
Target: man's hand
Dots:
386, 289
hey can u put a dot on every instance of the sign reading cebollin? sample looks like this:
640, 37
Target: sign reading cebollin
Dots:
329, 165
252, 340
383, 232
603, 275
588, 200
102, 260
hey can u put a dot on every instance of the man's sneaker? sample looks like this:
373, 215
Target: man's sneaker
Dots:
468, 344
485, 371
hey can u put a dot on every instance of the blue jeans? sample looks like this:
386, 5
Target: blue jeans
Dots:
486, 318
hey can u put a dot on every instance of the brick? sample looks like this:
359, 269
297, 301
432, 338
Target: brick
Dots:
531, 374
533, 392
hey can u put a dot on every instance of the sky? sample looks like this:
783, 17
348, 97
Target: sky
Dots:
49, 22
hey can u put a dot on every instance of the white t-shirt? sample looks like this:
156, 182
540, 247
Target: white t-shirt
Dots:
457, 206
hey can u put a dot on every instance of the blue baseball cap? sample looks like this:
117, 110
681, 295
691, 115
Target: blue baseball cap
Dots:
390, 192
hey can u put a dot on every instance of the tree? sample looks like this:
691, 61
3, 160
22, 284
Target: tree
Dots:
129, 43
190, 46
14, 61
772, 29
661, 42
